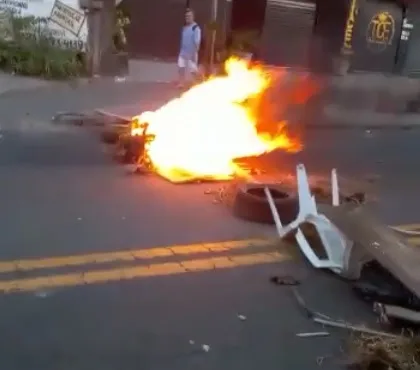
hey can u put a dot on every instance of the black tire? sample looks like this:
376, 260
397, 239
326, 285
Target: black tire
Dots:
110, 136
251, 204
133, 148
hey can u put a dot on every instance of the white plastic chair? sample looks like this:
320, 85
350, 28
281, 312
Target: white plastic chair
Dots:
336, 245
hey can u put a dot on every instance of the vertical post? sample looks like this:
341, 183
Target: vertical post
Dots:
347, 48
101, 21
96, 37
214, 10
349, 28
90, 41
92, 9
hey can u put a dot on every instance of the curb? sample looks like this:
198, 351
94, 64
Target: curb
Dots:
341, 118
338, 126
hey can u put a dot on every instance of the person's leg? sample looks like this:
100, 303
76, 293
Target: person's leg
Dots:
194, 70
182, 65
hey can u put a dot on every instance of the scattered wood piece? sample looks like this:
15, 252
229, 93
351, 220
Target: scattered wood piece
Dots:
327, 321
313, 334
383, 353
354, 328
387, 312
310, 313
223, 194
320, 359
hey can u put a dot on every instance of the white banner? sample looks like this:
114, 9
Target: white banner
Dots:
67, 18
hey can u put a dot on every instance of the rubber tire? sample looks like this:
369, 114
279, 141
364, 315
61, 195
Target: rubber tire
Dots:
251, 204
110, 136
133, 149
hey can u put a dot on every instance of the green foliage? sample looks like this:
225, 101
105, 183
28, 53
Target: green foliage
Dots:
31, 52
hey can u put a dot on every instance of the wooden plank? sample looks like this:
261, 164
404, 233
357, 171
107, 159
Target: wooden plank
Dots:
402, 313
122, 112
127, 111
110, 114
386, 246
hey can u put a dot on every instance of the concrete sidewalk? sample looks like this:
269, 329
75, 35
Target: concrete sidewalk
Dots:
334, 116
368, 100
151, 71
11, 83
140, 71
350, 101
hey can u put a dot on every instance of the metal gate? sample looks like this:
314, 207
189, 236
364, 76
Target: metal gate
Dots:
377, 35
155, 27
287, 32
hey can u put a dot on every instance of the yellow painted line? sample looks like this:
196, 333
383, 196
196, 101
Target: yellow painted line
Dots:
414, 241
130, 255
409, 227
129, 273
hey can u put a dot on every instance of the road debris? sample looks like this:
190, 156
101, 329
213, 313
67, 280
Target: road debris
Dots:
328, 321
313, 334
320, 359
368, 132
205, 347
191, 342
377, 284
284, 280
354, 328
374, 347
242, 317
391, 314
223, 194
334, 242
309, 312
378, 352
42, 294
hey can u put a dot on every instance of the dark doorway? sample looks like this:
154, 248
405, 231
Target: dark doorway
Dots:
246, 24
248, 14
155, 27
328, 34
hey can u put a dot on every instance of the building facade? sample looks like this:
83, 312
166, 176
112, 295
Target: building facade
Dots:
369, 35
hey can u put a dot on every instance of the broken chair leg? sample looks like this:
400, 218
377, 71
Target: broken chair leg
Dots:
274, 212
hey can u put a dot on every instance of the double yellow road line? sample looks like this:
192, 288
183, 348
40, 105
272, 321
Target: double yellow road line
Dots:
412, 240
139, 263
57, 272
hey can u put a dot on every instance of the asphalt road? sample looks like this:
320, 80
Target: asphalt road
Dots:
61, 195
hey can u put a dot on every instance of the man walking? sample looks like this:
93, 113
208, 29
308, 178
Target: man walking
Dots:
190, 47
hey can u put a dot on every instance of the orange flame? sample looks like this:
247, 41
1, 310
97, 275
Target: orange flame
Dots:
198, 135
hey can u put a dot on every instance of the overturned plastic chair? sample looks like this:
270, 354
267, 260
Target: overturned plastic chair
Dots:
335, 243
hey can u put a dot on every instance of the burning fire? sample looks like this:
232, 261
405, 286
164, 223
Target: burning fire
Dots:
198, 135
